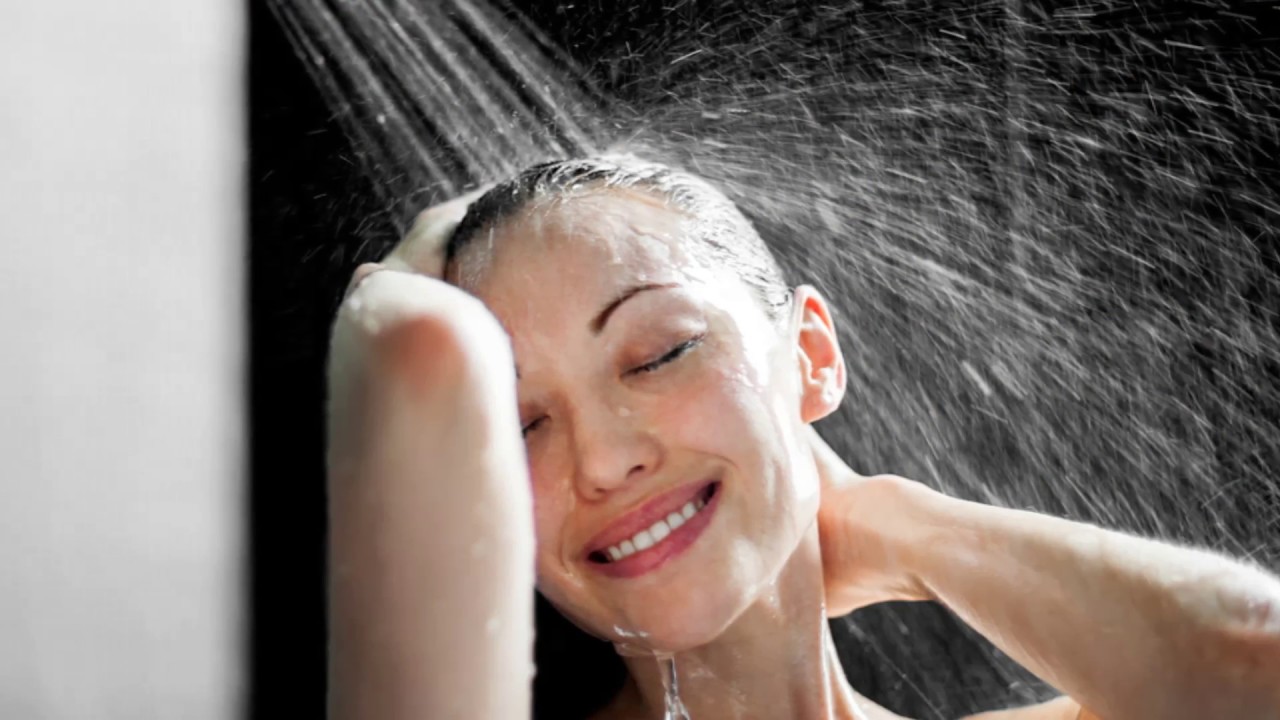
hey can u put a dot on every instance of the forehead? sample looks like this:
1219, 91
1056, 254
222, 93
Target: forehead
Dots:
580, 247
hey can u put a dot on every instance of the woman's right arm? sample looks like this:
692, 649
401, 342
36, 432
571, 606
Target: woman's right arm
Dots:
430, 515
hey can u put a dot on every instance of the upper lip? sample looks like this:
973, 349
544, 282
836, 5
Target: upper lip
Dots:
649, 512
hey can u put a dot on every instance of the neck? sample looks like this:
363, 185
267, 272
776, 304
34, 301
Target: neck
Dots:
776, 659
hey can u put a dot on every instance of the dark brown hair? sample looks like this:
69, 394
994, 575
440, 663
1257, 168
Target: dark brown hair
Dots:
730, 239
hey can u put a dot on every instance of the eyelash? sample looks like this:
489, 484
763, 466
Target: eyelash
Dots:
524, 431
672, 355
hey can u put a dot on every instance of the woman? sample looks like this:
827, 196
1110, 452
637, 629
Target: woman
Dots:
630, 321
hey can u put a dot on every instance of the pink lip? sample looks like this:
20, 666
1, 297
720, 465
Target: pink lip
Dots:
656, 509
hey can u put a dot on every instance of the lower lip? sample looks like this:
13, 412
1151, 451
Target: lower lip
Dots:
646, 561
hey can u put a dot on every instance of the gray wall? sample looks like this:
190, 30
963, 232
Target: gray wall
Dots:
121, 359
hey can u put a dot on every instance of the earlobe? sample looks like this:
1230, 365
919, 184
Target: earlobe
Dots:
821, 364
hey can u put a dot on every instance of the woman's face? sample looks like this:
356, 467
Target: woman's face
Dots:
662, 415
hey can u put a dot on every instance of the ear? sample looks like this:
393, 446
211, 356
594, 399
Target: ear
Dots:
822, 371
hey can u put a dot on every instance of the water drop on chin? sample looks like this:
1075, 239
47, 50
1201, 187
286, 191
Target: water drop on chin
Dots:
639, 634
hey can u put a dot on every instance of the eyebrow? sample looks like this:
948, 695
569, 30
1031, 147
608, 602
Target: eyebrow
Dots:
597, 324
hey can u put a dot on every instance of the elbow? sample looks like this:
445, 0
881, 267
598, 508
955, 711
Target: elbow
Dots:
1248, 678
405, 311
1248, 611
1240, 659
1255, 650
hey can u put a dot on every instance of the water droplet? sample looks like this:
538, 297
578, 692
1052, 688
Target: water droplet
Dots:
675, 709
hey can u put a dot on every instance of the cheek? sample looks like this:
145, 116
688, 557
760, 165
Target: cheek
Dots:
554, 512
725, 408
737, 412
570, 593
751, 416
551, 511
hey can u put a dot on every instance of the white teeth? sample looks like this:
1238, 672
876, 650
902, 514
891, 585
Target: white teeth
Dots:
659, 531
655, 533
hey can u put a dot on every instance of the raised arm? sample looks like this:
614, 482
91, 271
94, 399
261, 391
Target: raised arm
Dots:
431, 537
1129, 628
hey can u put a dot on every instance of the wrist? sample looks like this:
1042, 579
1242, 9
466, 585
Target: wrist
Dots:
953, 544
888, 524
919, 528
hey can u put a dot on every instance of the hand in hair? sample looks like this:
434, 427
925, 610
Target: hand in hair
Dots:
859, 561
422, 249
1127, 627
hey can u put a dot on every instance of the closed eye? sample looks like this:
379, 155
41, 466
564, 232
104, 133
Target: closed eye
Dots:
673, 354
531, 426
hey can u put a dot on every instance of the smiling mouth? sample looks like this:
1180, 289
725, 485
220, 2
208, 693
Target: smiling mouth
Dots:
654, 535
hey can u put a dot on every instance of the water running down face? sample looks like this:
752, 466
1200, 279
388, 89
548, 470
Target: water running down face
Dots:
662, 411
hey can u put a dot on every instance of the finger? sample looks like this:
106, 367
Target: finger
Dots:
423, 247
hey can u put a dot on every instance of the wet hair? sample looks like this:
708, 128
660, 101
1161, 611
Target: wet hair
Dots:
728, 237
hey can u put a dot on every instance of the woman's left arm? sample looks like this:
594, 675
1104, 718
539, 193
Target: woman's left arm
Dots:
1129, 628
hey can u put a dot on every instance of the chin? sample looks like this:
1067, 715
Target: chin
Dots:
688, 601
684, 622
662, 620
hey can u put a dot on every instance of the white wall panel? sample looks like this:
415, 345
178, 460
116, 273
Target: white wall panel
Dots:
121, 359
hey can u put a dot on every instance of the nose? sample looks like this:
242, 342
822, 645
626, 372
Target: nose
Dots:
612, 448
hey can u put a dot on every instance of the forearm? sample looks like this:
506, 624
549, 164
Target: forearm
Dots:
430, 539
1130, 628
